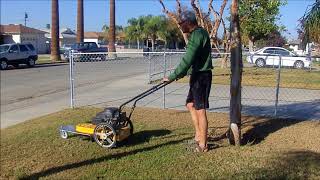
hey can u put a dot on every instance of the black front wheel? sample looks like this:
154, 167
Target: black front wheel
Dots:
31, 62
104, 135
260, 62
4, 64
299, 65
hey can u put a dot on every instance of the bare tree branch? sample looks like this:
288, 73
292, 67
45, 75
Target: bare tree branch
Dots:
178, 8
197, 12
218, 17
175, 19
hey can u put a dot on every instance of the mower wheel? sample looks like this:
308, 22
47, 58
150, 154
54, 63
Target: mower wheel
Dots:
105, 135
63, 134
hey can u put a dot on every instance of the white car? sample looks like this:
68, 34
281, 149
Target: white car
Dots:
270, 56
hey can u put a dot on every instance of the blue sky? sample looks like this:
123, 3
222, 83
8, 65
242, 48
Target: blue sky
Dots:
97, 12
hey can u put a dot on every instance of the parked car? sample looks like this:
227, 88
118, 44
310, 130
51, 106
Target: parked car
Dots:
65, 48
269, 56
216, 52
15, 54
86, 47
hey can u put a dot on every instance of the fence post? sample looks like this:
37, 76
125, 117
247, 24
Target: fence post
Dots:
164, 75
71, 77
277, 88
150, 67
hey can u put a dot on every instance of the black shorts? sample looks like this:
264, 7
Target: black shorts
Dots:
200, 86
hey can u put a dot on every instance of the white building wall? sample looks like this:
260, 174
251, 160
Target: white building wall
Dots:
64, 41
16, 38
37, 40
91, 40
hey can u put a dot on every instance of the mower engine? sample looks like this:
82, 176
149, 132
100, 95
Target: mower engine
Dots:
112, 116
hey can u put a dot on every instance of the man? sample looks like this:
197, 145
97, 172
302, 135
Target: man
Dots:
198, 58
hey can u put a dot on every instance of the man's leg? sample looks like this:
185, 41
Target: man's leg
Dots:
195, 120
203, 127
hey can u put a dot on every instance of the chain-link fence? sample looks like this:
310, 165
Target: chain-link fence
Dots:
271, 85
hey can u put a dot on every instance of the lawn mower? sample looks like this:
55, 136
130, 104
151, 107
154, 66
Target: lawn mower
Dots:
110, 126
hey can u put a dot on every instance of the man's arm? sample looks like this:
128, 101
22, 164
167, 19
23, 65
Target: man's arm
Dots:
187, 60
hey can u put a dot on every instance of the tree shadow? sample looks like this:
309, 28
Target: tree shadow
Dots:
143, 136
257, 131
289, 165
257, 127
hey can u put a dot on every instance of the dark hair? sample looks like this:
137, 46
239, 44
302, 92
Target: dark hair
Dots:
189, 16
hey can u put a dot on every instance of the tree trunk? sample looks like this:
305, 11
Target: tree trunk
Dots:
153, 40
251, 43
112, 31
55, 51
236, 74
176, 44
147, 43
138, 42
224, 62
80, 24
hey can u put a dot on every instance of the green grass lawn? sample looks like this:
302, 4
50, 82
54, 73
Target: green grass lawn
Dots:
45, 58
272, 149
266, 77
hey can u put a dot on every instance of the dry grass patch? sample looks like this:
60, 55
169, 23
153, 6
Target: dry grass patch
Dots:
272, 148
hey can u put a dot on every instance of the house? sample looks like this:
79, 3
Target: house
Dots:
17, 33
93, 37
66, 36
296, 46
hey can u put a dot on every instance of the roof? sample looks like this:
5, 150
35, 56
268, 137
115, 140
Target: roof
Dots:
91, 34
295, 42
64, 33
18, 29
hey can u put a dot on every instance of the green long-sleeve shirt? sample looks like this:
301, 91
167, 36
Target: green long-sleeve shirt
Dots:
198, 55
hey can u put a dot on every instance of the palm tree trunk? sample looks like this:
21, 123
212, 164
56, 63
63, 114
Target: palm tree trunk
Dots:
138, 42
55, 51
80, 24
251, 44
153, 40
236, 74
112, 31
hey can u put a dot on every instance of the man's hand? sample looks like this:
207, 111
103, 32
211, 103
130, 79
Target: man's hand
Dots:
165, 79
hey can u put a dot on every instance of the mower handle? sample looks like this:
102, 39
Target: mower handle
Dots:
145, 93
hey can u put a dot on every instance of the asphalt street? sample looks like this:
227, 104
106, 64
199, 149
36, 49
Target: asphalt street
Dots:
33, 92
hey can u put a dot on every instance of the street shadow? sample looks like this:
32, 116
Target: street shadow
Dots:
117, 156
289, 165
21, 66
299, 110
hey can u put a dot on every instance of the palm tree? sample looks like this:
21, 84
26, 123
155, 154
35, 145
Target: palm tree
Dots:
152, 28
135, 30
80, 24
112, 31
55, 51
310, 24
236, 74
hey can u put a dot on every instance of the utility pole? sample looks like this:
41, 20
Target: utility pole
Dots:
25, 18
